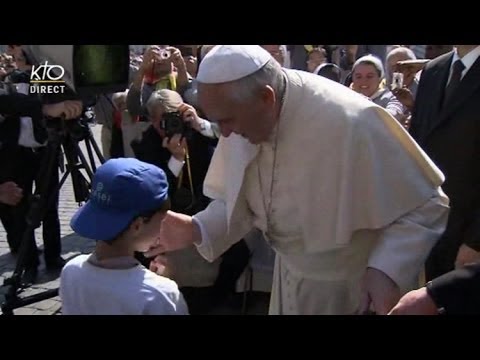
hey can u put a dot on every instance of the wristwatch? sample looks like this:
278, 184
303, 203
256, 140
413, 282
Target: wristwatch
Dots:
203, 126
441, 310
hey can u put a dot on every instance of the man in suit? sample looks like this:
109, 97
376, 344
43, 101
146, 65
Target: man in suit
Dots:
455, 293
445, 123
13, 106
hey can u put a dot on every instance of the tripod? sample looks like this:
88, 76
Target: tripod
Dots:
67, 135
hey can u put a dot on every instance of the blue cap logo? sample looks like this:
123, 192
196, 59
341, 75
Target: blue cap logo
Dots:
122, 189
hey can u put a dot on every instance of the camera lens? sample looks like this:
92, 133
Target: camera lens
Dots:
165, 54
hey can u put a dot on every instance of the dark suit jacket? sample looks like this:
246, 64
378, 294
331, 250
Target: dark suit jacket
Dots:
450, 135
149, 149
12, 107
457, 292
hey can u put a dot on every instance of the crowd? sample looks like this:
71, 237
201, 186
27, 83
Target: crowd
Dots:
355, 163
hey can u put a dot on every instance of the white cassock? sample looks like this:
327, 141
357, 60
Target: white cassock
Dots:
339, 187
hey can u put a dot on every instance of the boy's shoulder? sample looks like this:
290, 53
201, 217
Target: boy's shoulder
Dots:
167, 298
77, 261
74, 266
160, 283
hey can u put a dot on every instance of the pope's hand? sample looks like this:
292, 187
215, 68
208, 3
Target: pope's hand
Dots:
378, 292
176, 232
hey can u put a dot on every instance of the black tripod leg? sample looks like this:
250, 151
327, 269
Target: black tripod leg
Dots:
98, 152
83, 160
64, 177
89, 143
79, 182
90, 155
35, 215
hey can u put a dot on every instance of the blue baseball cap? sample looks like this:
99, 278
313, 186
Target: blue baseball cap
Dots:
122, 189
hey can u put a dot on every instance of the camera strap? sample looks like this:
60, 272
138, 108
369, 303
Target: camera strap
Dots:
189, 172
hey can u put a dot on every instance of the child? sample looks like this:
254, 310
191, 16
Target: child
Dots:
128, 202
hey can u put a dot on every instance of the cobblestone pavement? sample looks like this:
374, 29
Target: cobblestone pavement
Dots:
72, 245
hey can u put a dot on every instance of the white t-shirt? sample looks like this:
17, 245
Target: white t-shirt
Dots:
86, 289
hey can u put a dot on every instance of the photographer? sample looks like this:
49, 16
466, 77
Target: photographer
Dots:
162, 68
171, 155
14, 105
23, 136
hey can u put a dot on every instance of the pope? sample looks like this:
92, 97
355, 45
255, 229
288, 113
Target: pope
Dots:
349, 202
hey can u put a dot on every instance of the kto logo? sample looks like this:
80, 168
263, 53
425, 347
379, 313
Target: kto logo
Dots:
46, 79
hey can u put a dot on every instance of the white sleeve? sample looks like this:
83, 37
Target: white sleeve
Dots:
213, 227
404, 246
216, 130
395, 108
207, 129
175, 165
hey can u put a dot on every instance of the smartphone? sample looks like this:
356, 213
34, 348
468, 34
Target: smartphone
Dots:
397, 81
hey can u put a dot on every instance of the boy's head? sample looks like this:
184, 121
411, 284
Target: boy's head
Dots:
128, 197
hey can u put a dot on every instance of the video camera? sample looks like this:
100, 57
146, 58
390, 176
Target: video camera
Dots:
77, 72
86, 70
172, 123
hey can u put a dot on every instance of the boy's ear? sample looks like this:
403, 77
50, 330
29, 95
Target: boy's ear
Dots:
135, 225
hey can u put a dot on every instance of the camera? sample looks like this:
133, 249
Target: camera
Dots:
79, 129
165, 54
172, 123
397, 81
7, 88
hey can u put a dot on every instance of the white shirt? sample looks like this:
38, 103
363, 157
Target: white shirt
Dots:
208, 130
26, 137
468, 60
86, 289
175, 165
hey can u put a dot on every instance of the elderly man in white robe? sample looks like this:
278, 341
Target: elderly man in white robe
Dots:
348, 201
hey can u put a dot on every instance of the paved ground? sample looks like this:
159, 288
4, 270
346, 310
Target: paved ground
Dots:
72, 246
